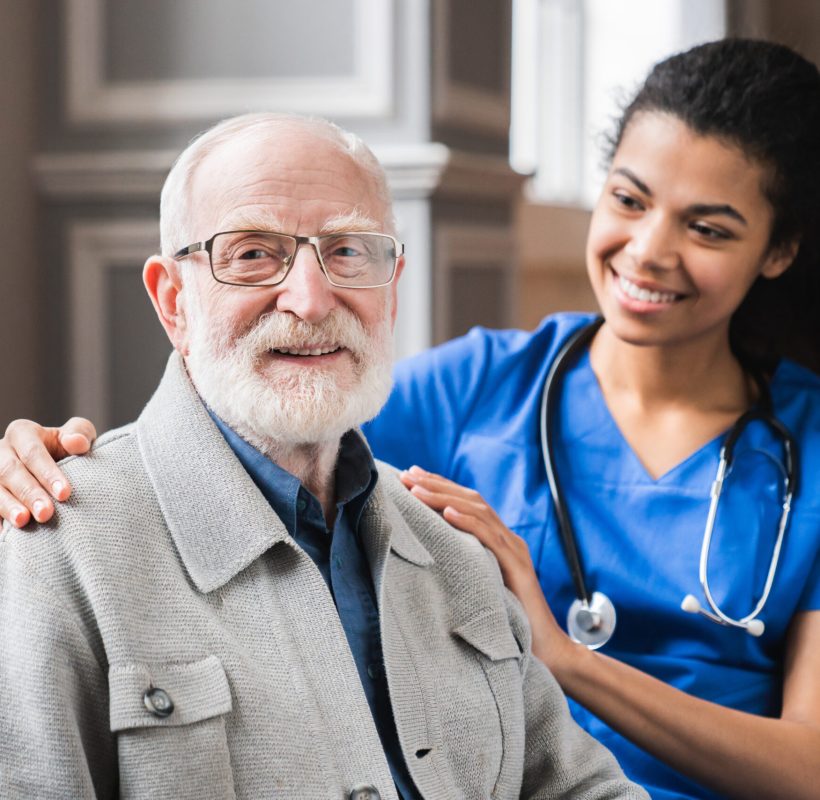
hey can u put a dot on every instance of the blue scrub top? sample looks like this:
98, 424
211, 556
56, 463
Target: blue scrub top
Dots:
470, 410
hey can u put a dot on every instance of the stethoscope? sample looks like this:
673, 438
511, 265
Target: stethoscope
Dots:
591, 617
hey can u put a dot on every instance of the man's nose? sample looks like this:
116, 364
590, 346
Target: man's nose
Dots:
653, 243
306, 292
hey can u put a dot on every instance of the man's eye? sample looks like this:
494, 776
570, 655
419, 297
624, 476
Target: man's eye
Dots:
253, 254
346, 252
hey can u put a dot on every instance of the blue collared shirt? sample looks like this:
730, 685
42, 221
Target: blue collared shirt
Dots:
340, 557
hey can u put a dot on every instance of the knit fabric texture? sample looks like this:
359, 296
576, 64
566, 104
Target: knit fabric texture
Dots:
168, 570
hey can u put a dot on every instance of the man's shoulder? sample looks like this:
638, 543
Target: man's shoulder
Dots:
424, 523
111, 499
109, 448
111, 479
454, 555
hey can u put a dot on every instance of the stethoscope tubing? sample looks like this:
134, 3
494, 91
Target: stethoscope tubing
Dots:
571, 346
587, 601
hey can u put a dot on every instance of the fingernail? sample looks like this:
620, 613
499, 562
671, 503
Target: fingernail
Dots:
38, 508
17, 517
416, 470
57, 487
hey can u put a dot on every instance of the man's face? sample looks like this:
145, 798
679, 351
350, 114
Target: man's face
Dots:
304, 361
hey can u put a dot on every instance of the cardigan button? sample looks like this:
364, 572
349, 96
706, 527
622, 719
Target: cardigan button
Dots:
364, 792
158, 702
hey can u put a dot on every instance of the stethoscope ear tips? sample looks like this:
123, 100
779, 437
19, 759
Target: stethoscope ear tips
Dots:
754, 627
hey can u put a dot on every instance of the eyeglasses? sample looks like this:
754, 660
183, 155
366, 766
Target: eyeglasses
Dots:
263, 258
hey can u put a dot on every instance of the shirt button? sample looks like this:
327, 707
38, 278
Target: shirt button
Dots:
374, 670
301, 504
364, 792
158, 702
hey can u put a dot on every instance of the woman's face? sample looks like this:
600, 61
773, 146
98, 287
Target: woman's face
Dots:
679, 234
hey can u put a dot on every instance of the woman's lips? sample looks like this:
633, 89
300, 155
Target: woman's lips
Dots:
645, 295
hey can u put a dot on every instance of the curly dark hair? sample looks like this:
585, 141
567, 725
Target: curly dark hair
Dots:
763, 98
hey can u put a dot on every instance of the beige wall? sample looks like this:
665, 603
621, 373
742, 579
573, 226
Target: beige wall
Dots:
797, 24
551, 272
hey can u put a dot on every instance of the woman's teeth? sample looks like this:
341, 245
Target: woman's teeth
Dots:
644, 295
306, 351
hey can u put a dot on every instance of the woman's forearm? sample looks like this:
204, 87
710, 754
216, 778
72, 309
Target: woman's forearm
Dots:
737, 754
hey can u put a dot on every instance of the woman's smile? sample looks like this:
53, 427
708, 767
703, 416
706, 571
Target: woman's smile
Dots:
680, 233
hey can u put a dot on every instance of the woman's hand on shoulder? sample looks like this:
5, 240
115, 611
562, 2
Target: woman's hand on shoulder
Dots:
466, 510
29, 475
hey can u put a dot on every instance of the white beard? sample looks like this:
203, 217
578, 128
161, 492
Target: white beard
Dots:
292, 405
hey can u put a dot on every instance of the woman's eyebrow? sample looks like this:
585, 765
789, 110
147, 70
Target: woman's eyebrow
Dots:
708, 209
630, 175
700, 209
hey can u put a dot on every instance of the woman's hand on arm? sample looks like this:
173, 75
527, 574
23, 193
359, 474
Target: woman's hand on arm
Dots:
29, 475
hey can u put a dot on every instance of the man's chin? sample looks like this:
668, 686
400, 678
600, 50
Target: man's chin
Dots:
292, 411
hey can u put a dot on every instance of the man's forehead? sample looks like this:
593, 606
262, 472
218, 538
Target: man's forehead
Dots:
276, 181
265, 218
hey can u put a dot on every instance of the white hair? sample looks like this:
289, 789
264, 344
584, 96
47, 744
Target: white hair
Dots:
175, 200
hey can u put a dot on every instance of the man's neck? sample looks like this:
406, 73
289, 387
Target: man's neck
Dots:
315, 467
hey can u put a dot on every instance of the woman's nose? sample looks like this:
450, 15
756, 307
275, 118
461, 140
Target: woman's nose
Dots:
653, 243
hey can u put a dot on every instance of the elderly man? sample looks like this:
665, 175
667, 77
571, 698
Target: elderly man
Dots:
237, 601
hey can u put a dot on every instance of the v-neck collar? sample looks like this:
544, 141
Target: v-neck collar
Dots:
598, 426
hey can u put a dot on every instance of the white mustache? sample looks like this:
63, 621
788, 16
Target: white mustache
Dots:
279, 331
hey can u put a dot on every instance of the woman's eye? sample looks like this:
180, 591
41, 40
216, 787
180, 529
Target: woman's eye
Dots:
710, 232
627, 202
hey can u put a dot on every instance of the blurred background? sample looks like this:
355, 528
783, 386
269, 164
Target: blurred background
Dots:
489, 116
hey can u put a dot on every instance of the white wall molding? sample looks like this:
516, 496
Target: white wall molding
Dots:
470, 175
115, 175
91, 98
95, 247
413, 171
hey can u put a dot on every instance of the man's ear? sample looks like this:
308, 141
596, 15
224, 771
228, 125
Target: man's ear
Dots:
163, 282
394, 288
779, 259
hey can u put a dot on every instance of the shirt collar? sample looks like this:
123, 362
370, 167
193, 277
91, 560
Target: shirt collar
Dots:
355, 475
219, 520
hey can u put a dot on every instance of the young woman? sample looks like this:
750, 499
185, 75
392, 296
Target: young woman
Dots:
703, 254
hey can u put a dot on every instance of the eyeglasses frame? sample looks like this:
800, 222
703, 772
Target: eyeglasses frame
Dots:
207, 246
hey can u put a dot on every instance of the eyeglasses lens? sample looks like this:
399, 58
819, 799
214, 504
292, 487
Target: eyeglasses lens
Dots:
260, 258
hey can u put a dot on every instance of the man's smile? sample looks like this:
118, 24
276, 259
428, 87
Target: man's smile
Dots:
306, 351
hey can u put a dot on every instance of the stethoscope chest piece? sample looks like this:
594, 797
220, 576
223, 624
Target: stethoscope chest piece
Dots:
591, 623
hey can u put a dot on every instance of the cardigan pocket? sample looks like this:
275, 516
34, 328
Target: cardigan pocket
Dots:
488, 631
170, 725
490, 641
